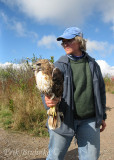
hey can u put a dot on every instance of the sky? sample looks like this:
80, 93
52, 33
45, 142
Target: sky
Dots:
30, 27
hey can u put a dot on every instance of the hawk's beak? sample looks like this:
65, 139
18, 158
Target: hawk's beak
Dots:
38, 66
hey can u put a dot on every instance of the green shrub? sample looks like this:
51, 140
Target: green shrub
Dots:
5, 118
109, 83
21, 106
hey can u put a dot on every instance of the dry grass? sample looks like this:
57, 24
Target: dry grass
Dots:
21, 100
109, 83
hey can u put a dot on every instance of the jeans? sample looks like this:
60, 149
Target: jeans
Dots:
88, 140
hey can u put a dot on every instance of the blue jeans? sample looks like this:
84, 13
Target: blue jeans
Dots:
88, 140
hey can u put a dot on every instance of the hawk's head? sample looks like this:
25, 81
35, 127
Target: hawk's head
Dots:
43, 74
44, 65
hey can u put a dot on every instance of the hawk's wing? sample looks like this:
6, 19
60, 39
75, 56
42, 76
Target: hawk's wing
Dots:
57, 78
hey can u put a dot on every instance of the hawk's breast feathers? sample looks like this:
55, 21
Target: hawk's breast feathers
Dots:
44, 83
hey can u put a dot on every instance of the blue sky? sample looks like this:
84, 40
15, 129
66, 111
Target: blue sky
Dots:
31, 26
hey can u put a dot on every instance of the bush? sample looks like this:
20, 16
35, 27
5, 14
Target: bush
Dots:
109, 83
22, 101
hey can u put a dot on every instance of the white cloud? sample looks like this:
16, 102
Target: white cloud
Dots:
105, 68
107, 9
112, 28
48, 41
62, 12
13, 65
104, 48
13, 24
17, 26
96, 45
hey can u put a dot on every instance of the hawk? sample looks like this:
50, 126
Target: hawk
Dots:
49, 81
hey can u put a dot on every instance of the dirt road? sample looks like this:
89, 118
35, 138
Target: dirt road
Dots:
18, 146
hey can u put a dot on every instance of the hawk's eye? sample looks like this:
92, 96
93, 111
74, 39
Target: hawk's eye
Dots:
38, 64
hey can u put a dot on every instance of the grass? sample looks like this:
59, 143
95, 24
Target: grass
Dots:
109, 84
21, 107
5, 118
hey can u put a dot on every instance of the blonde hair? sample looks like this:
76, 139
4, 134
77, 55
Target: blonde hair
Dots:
82, 42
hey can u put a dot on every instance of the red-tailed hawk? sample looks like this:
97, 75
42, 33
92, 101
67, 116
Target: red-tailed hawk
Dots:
49, 81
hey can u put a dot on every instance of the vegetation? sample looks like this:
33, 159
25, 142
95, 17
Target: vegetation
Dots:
21, 106
109, 84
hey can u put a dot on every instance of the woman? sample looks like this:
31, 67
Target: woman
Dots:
83, 101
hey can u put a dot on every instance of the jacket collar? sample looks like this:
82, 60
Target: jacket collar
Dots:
65, 59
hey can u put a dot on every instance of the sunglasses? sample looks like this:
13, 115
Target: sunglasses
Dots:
67, 42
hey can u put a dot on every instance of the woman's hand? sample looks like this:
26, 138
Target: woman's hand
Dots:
103, 126
51, 102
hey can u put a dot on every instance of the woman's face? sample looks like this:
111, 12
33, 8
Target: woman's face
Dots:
71, 46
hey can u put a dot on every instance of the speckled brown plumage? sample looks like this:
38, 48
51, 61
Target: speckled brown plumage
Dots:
49, 80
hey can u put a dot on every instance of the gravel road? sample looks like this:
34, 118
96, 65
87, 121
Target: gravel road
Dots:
20, 146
